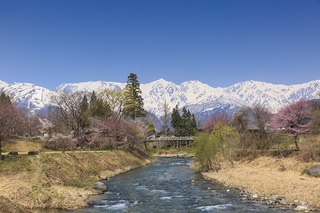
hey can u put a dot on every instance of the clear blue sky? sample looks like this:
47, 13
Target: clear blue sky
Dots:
218, 42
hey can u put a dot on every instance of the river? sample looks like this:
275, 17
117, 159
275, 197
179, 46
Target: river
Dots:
170, 185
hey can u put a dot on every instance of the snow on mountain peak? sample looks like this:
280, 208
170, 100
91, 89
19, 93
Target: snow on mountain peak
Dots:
89, 86
3, 84
30, 96
196, 96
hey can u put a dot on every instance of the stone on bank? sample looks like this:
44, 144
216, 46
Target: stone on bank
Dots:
314, 171
100, 187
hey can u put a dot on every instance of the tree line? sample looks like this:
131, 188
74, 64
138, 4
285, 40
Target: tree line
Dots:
105, 120
82, 120
114, 118
252, 130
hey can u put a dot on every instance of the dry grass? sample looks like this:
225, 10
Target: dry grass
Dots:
267, 176
60, 180
309, 148
24, 145
9, 207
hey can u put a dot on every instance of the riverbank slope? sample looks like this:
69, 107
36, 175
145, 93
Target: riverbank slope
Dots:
270, 178
61, 180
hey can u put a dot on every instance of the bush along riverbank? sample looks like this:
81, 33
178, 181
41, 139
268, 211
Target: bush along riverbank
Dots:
277, 181
60, 180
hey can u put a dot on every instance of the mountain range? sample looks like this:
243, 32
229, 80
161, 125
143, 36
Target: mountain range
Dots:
199, 98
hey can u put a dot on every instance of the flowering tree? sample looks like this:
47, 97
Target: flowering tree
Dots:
116, 132
214, 119
293, 119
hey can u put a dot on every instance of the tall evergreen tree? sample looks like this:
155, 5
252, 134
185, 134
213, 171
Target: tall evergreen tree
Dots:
194, 125
84, 113
133, 105
176, 121
99, 108
93, 104
93, 97
185, 124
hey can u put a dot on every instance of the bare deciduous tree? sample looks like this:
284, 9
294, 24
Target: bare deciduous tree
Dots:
261, 117
166, 118
315, 117
115, 99
12, 120
67, 115
240, 119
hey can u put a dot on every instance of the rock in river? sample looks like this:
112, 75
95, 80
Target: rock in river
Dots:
100, 186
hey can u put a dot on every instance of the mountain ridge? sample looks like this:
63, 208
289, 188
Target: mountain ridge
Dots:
198, 97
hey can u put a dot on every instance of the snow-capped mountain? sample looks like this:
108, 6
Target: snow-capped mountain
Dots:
3, 84
199, 98
29, 96
89, 86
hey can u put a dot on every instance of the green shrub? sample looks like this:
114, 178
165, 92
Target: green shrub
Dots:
212, 148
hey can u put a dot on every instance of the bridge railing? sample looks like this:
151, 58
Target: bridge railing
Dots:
171, 138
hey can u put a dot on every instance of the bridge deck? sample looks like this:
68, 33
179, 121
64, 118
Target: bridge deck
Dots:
170, 141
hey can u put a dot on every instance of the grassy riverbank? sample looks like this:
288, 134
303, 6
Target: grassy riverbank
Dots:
270, 178
59, 180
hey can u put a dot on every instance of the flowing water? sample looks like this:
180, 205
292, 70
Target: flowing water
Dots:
170, 185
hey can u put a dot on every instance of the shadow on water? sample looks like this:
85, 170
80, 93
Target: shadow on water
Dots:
170, 185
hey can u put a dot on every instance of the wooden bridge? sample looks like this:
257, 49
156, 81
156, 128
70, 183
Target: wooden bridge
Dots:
167, 141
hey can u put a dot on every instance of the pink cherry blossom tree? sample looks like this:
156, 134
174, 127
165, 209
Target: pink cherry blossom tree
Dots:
116, 132
222, 118
293, 119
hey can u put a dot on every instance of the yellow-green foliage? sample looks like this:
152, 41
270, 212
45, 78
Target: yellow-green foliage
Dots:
211, 148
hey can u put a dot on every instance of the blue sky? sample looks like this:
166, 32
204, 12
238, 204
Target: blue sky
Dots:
218, 42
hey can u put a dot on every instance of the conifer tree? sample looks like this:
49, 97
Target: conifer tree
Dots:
176, 121
99, 108
185, 124
133, 104
93, 104
194, 125
84, 113
186, 120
